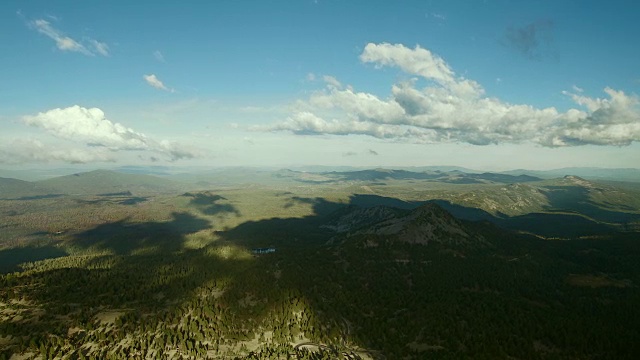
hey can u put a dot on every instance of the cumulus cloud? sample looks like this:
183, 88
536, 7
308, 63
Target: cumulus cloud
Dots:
531, 40
454, 109
306, 123
91, 127
609, 121
153, 80
66, 43
420, 62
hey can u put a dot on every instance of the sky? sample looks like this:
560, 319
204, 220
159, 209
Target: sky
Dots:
489, 85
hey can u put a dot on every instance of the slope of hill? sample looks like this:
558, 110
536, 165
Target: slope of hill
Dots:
601, 201
567, 207
426, 224
375, 281
105, 181
20, 189
37, 174
352, 217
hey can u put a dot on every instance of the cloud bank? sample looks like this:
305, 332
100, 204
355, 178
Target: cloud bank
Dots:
32, 150
91, 128
454, 109
90, 47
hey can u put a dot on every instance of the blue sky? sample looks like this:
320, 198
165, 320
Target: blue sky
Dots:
483, 84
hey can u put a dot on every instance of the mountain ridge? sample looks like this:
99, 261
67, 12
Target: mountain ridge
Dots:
428, 223
109, 181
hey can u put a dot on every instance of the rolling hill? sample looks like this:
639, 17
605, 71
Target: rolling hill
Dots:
382, 174
398, 271
616, 174
425, 224
106, 182
24, 190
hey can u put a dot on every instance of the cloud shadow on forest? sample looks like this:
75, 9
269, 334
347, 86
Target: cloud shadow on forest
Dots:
210, 204
123, 236
175, 271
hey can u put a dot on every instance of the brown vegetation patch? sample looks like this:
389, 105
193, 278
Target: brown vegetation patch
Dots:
249, 300
109, 316
596, 281
421, 347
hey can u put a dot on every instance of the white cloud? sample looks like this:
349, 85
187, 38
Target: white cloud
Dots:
330, 80
306, 123
454, 109
153, 80
66, 43
100, 47
311, 77
87, 125
91, 127
416, 61
612, 121
21, 151
423, 63
158, 56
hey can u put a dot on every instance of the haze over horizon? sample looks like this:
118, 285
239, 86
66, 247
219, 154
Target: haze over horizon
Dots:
490, 85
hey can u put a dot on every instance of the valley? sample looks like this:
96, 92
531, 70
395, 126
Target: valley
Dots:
368, 264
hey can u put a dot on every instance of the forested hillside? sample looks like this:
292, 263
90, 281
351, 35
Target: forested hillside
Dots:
352, 274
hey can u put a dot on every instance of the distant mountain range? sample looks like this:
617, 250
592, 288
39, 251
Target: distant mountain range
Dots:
568, 205
584, 172
87, 183
374, 175
189, 173
106, 181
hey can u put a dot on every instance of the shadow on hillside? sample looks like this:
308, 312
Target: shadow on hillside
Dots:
172, 274
39, 197
320, 206
146, 266
116, 199
210, 204
576, 199
543, 224
367, 200
11, 258
286, 231
154, 271
122, 237
134, 200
